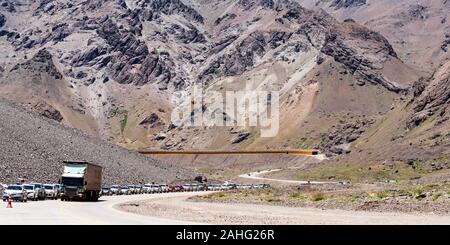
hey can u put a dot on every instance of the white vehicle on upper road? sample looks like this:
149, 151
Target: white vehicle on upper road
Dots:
16, 192
51, 191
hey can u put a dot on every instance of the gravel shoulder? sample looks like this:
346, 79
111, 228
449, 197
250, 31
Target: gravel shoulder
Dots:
180, 208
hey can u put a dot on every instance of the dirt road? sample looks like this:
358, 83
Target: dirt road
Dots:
219, 213
258, 176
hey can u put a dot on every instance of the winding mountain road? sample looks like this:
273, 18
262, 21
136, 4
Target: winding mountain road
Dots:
83, 213
175, 209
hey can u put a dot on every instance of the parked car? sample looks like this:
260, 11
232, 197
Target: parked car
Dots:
175, 188
40, 190
138, 189
147, 188
115, 190
51, 191
214, 187
202, 187
17, 193
228, 186
155, 188
58, 188
132, 189
125, 190
32, 194
164, 187
188, 187
106, 191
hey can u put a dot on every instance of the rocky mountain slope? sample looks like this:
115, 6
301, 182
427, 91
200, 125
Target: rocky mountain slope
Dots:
33, 147
410, 142
418, 30
110, 68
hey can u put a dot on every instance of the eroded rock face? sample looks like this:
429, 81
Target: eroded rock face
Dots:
446, 42
48, 111
2, 20
433, 100
418, 12
347, 3
170, 7
151, 121
42, 62
241, 137
8, 5
243, 56
133, 63
366, 67
339, 137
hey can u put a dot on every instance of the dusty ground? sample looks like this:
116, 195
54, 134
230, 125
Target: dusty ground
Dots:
374, 198
220, 213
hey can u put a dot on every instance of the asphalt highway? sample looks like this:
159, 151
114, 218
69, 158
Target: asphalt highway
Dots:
51, 212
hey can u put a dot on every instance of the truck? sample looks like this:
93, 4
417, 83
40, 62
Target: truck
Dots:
81, 180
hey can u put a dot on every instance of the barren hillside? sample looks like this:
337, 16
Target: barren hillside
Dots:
33, 147
418, 30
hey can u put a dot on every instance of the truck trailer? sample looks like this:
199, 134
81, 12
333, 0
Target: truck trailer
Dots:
81, 181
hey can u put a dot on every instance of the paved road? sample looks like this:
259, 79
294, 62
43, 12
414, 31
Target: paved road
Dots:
171, 208
82, 213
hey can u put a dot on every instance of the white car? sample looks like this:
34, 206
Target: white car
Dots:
147, 188
115, 190
125, 190
188, 187
155, 188
32, 193
51, 191
39, 188
164, 187
17, 192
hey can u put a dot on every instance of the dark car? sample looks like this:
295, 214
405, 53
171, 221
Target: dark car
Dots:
175, 188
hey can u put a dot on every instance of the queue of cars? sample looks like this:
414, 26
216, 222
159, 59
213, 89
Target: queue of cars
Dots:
38, 191
164, 188
32, 191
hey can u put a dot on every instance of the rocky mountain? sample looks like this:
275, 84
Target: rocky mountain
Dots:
418, 30
414, 134
362, 83
111, 68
